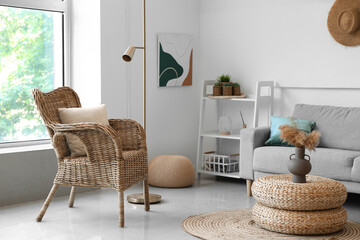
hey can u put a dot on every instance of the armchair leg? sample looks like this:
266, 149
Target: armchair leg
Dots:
146, 195
72, 196
121, 202
249, 183
47, 202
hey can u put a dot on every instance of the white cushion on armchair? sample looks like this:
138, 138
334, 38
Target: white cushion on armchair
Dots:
95, 114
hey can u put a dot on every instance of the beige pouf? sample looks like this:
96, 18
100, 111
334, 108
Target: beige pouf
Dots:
171, 171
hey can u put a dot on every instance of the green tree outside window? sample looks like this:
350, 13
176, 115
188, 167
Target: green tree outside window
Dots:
26, 62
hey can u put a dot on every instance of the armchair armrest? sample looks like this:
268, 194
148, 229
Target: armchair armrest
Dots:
85, 126
251, 138
100, 141
132, 134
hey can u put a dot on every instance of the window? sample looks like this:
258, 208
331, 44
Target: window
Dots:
32, 55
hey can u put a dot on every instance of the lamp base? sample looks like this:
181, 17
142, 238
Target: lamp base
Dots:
138, 198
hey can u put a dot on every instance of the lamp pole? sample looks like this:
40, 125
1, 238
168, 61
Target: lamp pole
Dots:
144, 65
128, 55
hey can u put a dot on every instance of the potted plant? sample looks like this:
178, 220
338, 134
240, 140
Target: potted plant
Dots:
236, 89
224, 78
217, 89
227, 89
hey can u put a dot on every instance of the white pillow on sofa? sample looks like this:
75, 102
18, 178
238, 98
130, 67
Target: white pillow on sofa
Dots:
96, 114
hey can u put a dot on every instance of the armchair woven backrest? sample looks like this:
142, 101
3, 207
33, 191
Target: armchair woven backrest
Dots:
49, 103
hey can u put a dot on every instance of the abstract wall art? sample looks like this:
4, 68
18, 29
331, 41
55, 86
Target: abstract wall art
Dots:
175, 57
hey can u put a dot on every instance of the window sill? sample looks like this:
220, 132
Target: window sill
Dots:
30, 148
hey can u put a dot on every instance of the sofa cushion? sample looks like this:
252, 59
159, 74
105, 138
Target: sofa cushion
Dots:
275, 133
338, 125
326, 162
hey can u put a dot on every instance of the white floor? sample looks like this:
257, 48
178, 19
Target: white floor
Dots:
95, 214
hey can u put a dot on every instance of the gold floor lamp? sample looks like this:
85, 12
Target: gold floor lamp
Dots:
127, 57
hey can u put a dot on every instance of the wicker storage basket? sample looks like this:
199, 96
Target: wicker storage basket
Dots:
236, 90
220, 163
227, 90
217, 90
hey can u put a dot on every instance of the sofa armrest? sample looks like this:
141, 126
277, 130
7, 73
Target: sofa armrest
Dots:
251, 138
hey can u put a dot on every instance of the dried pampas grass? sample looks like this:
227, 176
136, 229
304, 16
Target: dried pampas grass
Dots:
298, 138
312, 140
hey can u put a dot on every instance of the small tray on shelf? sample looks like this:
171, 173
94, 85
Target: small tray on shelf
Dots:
243, 95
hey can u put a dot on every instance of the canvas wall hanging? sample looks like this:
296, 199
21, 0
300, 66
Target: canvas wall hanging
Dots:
175, 56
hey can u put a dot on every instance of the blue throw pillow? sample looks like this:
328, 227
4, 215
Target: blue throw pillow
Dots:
276, 122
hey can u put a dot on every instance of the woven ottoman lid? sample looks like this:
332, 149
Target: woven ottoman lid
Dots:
319, 193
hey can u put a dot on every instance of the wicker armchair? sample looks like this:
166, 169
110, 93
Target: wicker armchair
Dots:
116, 154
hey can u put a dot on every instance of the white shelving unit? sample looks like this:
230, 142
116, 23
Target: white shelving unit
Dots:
264, 100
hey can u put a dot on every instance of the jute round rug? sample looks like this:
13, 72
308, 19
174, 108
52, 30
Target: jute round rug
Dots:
238, 224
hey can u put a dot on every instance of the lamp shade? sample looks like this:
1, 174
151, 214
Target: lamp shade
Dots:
129, 53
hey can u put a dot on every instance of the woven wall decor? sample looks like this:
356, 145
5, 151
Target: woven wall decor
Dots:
344, 22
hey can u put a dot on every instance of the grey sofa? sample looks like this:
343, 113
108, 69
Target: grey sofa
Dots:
336, 157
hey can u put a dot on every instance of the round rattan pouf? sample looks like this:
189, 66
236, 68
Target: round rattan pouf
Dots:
300, 222
318, 193
310, 208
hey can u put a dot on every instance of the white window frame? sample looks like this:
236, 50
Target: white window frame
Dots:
62, 6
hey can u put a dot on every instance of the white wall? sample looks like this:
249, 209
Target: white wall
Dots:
282, 40
28, 176
102, 30
172, 113
113, 70
86, 51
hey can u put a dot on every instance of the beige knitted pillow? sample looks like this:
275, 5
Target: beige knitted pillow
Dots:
96, 114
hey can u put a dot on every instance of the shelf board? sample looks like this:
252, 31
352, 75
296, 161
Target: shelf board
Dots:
231, 99
227, 97
216, 134
232, 175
